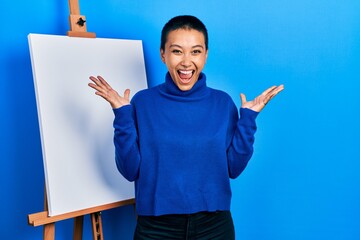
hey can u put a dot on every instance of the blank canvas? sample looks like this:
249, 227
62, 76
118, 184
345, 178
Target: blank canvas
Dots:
75, 124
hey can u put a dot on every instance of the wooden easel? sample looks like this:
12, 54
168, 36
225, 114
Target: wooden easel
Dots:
77, 29
43, 219
77, 22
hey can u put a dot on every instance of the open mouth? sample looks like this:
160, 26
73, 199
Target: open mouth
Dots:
185, 75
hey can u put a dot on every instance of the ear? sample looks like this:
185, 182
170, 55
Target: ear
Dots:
206, 54
162, 55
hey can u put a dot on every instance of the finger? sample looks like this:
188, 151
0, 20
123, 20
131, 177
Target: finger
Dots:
94, 79
101, 94
267, 91
127, 94
94, 86
276, 91
273, 93
107, 85
243, 99
279, 88
100, 85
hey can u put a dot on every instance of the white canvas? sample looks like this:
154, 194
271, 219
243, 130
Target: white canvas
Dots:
75, 124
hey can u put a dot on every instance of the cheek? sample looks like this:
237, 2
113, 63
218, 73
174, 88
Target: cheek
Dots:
170, 65
201, 62
172, 62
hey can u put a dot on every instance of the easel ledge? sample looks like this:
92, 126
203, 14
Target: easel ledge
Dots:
43, 218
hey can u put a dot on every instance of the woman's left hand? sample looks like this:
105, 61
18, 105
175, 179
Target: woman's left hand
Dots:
260, 101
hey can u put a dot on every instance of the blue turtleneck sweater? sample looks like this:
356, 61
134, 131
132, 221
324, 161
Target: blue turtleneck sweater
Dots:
182, 147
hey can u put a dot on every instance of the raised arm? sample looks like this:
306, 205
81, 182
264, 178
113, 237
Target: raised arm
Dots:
241, 148
127, 155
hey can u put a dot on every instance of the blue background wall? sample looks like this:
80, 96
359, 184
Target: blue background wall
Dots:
303, 180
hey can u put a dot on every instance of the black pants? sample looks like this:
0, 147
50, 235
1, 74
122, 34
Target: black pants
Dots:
200, 226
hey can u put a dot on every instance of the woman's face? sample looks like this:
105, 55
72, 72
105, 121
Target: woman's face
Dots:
185, 55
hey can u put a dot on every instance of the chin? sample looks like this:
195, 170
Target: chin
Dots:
185, 88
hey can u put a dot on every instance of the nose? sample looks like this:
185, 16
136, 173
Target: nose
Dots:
186, 61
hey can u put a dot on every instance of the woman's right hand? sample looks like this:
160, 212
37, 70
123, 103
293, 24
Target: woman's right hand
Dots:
104, 90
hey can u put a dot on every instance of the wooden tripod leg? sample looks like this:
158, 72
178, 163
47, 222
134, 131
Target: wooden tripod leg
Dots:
49, 231
97, 226
78, 227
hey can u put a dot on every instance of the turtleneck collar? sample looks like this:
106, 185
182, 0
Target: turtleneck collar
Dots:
199, 90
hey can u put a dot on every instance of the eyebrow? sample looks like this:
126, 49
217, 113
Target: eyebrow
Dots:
176, 45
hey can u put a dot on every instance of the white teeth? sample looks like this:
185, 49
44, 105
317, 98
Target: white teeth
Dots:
185, 72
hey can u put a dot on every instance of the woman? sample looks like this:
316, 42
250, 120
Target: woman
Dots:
182, 141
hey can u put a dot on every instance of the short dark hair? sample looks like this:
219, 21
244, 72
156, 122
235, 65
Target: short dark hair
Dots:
183, 22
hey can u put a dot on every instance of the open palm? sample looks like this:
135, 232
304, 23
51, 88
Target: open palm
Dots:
260, 101
104, 90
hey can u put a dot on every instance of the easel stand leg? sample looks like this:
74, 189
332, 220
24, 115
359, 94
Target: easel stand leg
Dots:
78, 227
49, 231
97, 226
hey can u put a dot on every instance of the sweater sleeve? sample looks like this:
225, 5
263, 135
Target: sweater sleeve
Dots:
241, 146
127, 154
